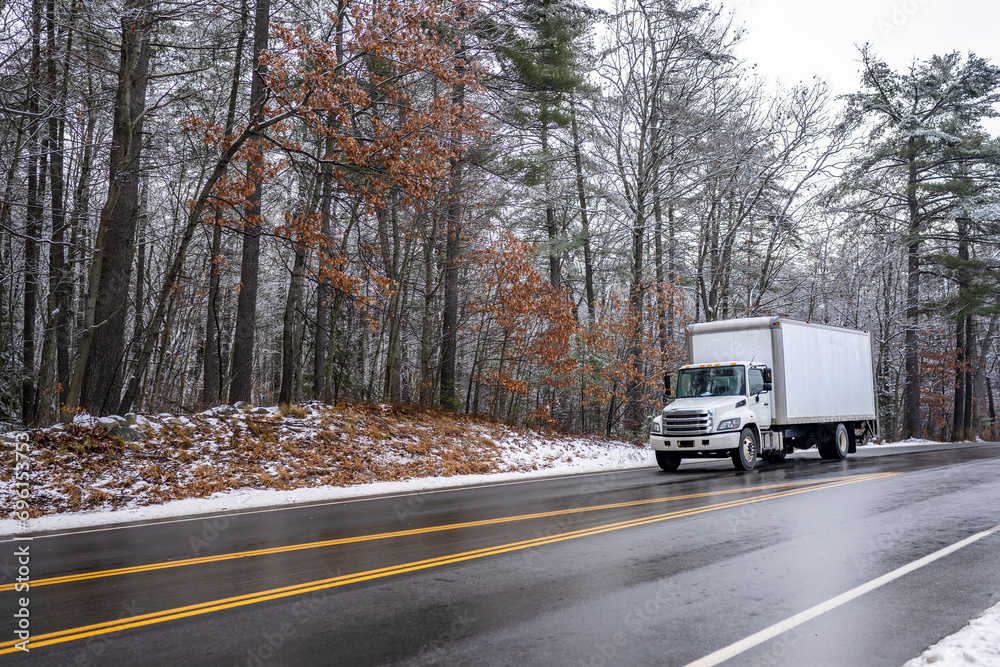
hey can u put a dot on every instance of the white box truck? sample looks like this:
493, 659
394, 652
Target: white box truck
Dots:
764, 386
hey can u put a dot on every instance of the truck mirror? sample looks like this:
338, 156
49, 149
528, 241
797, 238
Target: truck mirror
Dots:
768, 386
666, 384
768, 379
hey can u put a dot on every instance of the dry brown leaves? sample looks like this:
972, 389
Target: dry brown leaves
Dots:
86, 467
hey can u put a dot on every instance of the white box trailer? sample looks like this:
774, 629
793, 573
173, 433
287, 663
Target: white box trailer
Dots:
764, 386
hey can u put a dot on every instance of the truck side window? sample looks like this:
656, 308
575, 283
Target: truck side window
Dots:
756, 381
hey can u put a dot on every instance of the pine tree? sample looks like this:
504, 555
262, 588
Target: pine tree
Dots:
918, 123
543, 62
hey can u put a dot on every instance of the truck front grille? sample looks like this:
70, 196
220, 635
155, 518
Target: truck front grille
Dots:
687, 422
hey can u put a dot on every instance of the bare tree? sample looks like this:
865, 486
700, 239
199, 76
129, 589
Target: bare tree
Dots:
241, 384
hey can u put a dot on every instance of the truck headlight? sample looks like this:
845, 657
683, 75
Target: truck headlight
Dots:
729, 424
654, 427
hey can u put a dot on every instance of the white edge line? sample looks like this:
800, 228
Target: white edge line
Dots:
753, 640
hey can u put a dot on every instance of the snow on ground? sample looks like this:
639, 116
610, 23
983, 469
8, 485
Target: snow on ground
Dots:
153, 467
978, 643
912, 442
586, 460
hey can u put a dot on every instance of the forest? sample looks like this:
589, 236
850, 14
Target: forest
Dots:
505, 208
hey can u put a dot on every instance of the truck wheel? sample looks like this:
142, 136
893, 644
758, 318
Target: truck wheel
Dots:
745, 456
841, 443
668, 460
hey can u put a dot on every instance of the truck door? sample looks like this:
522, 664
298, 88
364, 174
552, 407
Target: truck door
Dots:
760, 401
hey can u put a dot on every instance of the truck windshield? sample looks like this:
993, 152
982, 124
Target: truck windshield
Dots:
727, 381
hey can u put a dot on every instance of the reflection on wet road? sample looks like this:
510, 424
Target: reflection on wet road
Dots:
640, 567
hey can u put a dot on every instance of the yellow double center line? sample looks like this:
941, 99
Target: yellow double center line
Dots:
399, 533
321, 584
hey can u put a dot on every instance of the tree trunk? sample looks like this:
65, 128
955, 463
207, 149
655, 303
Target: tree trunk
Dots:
453, 232
551, 228
324, 292
102, 383
978, 381
289, 353
241, 382
140, 288
912, 426
671, 266
992, 408
87, 289
427, 316
33, 228
972, 356
671, 244
211, 393
393, 386
29, 404
960, 424
958, 419
633, 387
7, 287
59, 284
335, 366
588, 258
661, 305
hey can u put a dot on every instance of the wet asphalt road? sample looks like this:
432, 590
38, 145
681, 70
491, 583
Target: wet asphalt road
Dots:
631, 568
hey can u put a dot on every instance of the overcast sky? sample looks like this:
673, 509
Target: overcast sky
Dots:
795, 39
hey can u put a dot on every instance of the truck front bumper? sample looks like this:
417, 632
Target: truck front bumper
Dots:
694, 443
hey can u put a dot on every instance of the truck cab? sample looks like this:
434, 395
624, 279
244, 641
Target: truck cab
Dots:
721, 409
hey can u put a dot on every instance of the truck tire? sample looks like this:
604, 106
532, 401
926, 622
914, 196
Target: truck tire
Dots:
668, 460
841, 444
745, 456
824, 447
